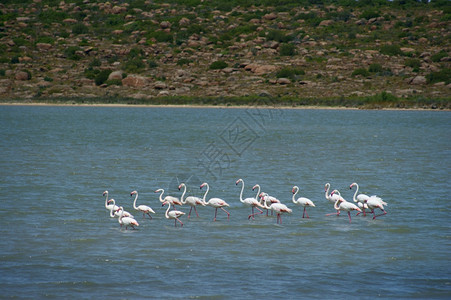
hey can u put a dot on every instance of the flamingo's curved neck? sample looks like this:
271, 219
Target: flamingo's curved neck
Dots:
265, 204
258, 192
205, 195
327, 191
134, 202
336, 206
242, 189
121, 214
356, 191
167, 210
161, 195
183, 195
294, 194
106, 200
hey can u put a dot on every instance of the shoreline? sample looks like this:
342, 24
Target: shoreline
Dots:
306, 107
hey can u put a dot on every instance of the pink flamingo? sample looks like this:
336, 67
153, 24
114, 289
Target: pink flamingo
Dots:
215, 202
127, 221
115, 214
301, 200
264, 197
173, 214
278, 208
146, 210
252, 202
375, 202
359, 198
345, 205
172, 200
332, 198
191, 200
109, 206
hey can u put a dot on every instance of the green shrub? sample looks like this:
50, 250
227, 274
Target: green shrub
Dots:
71, 52
80, 28
45, 39
290, 72
360, 72
278, 36
14, 60
287, 50
152, 64
48, 79
102, 77
91, 73
443, 75
2, 72
375, 68
184, 61
438, 56
414, 63
162, 36
219, 64
135, 65
391, 50
114, 82
368, 14
95, 63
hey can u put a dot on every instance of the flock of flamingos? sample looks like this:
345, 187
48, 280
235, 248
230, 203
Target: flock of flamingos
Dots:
259, 202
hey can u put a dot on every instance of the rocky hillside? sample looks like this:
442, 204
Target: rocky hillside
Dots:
199, 48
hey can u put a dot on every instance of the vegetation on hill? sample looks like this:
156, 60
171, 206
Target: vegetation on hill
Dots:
297, 52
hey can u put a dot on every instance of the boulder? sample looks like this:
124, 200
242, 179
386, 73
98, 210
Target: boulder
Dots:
326, 23
134, 81
418, 80
270, 16
283, 81
22, 76
43, 46
184, 22
116, 75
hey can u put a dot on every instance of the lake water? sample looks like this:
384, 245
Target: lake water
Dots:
58, 240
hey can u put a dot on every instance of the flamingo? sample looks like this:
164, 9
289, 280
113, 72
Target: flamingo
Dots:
115, 214
301, 200
215, 202
359, 198
278, 208
345, 205
191, 200
127, 221
172, 200
252, 202
146, 210
108, 206
269, 199
375, 202
173, 214
332, 198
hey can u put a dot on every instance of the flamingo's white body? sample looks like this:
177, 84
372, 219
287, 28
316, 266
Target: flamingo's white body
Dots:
267, 200
332, 198
215, 202
278, 208
360, 198
173, 214
252, 202
146, 210
345, 205
172, 200
126, 221
190, 200
302, 201
115, 214
375, 202
110, 207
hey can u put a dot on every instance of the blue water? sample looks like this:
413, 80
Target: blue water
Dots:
58, 241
